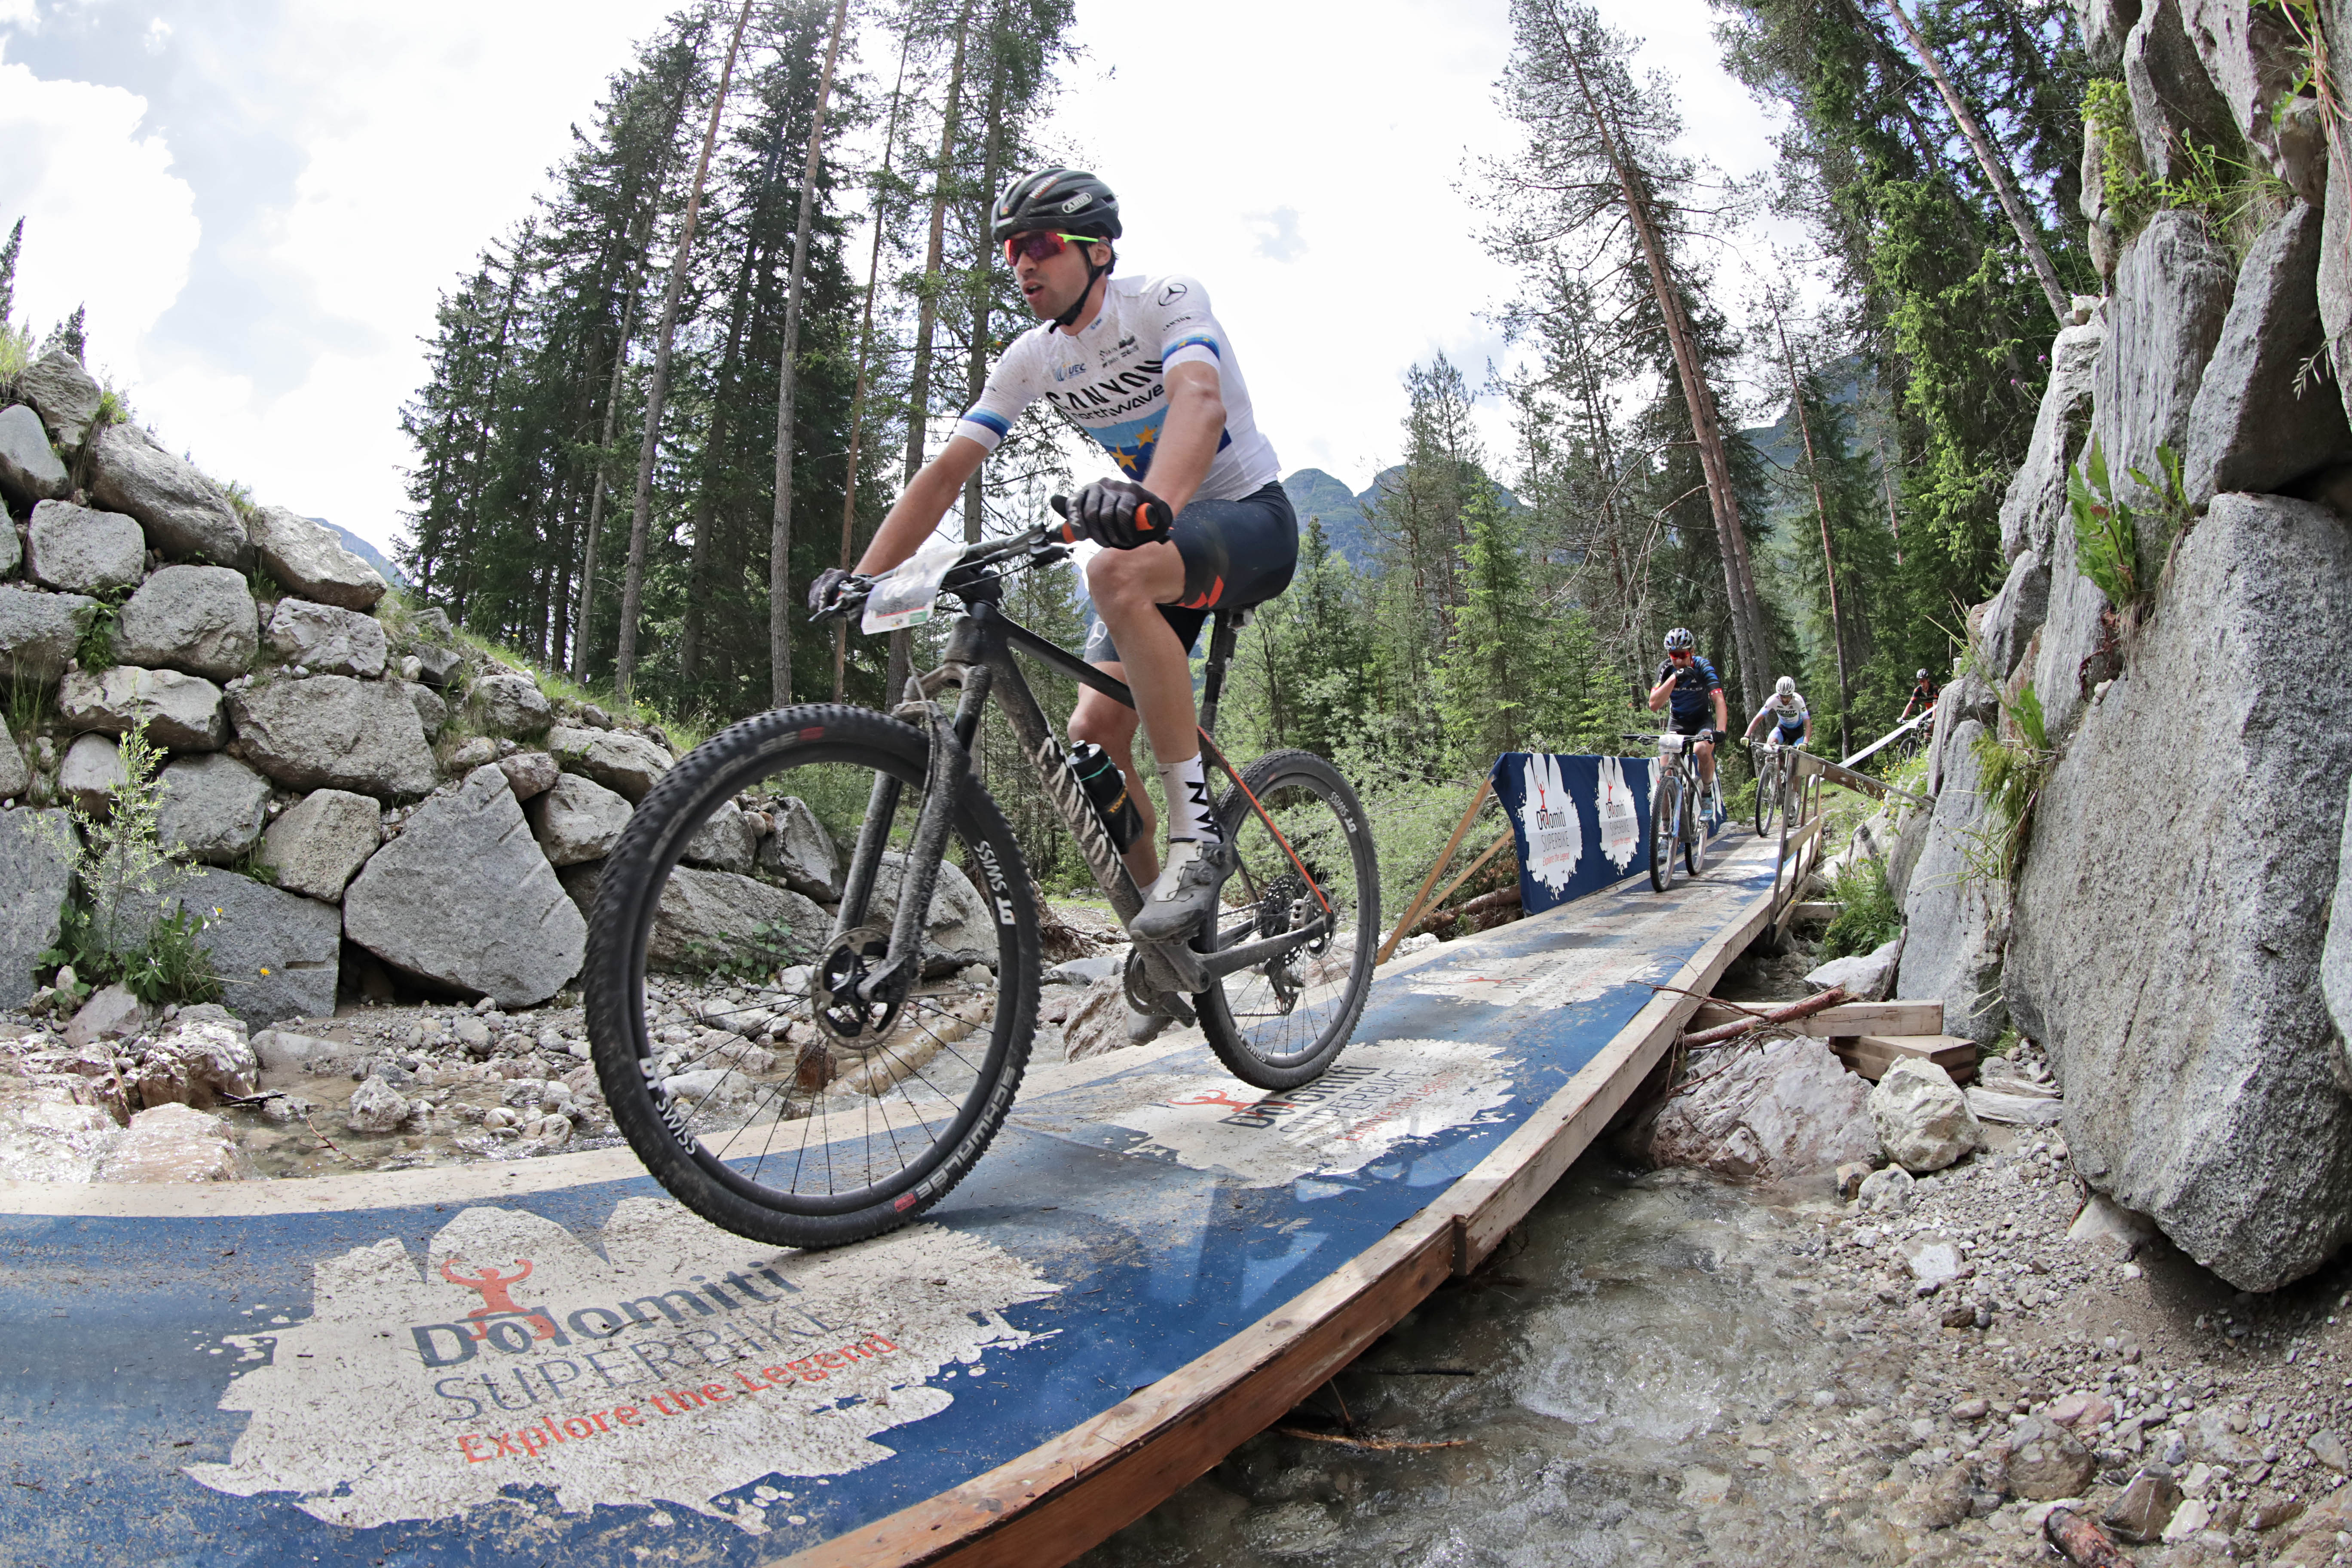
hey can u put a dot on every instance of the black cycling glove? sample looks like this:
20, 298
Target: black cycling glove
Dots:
1120, 514
822, 591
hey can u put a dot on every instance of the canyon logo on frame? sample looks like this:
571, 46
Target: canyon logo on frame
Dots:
681, 1364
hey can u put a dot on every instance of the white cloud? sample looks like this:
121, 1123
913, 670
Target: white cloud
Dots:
159, 33
81, 165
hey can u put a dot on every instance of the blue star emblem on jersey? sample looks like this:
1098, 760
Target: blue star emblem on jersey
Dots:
1131, 444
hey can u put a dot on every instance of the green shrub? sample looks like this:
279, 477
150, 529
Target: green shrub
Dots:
2112, 548
2233, 193
2010, 774
1868, 917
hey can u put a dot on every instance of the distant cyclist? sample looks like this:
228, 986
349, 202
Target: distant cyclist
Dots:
1793, 722
1695, 691
1923, 696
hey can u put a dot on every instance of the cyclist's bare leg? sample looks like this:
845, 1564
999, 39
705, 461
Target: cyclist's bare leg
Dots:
1703, 753
1110, 724
1127, 587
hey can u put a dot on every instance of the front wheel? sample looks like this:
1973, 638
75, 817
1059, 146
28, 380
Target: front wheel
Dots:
1695, 823
1664, 799
1767, 793
723, 1009
1306, 862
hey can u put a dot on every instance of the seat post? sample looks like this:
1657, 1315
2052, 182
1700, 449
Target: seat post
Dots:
1224, 631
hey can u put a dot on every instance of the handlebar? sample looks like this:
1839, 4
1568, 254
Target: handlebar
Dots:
1039, 545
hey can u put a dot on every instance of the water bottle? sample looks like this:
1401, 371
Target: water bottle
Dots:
1106, 787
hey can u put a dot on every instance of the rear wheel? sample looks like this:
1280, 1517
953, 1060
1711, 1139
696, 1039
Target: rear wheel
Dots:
1283, 1021
1664, 796
728, 1039
1767, 793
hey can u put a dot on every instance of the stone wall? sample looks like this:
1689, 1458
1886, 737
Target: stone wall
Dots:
342, 773
2167, 938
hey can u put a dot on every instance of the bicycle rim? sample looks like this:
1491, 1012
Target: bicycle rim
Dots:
1283, 1021
1662, 831
721, 1006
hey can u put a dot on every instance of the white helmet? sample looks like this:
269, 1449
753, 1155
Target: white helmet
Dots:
1785, 687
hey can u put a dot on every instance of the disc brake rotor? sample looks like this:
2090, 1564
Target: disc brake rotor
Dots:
840, 1012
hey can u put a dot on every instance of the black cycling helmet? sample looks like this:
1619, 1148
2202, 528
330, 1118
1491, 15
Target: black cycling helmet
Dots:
1680, 638
1064, 200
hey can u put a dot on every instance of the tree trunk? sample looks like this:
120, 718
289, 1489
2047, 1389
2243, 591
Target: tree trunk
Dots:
1995, 170
714, 460
976, 367
657, 389
866, 345
1894, 518
918, 384
580, 641
1829, 563
1706, 425
780, 532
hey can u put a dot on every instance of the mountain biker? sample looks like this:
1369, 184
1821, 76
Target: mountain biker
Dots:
1793, 722
1923, 696
1695, 692
1142, 367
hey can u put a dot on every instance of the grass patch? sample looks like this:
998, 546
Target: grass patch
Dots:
1868, 917
2228, 190
2010, 776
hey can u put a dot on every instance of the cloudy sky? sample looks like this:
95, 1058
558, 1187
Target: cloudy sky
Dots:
260, 199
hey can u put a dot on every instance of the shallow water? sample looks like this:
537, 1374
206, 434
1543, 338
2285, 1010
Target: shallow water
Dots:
1628, 1350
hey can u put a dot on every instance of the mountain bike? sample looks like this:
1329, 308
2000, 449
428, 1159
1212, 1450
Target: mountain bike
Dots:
1772, 764
872, 1016
1677, 809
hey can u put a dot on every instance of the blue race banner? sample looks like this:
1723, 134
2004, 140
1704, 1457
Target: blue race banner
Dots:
1580, 823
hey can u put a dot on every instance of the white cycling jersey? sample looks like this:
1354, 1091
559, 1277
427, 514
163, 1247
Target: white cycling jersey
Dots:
1109, 381
1789, 715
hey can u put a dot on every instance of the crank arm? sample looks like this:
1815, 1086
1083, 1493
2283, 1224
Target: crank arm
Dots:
1232, 960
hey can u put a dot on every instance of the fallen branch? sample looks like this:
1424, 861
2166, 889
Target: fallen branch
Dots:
2082, 1543
1494, 900
1384, 1445
1795, 1010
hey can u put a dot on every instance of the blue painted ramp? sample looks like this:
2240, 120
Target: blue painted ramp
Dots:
549, 1362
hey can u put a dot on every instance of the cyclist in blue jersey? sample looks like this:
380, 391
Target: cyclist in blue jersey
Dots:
1695, 691
1143, 368
1792, 720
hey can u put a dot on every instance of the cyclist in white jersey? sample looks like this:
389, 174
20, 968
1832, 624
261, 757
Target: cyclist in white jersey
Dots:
1142, 367
1792, 721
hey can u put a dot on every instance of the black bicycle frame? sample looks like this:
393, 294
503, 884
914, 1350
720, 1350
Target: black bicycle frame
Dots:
979, 661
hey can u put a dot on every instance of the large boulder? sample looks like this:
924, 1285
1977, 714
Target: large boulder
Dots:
325, 640
317, 844
310, 560
1788, 1110
2172, 295
1922, 1119
2335, 956
801, 853
463, 898
92, 771
212, 807
509, 705
705, 917
172, 1142
200, 619
333, 731
958, 929
577, 820
2174, 102
16, 778
2171, 918
2079, 636
202, 1059
2259, 422
184, 513
725, 841
182, 711
2255, 62
62, 390
2105, 23
2036, 501
29, 471
432, 712
84, 552
277, 953
12, 551
2016, 614
38, 632
2335, 265
1958, 918
38, 849
614, 758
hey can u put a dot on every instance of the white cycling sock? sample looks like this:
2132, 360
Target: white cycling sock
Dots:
1186, 785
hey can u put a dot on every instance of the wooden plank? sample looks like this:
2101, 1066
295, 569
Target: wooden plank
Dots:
1847, 1018
1075, 1490
1815, 911
1872, 1055
1065, 1496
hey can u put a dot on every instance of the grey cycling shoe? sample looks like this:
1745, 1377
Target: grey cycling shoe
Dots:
1144, 1027
1185, 893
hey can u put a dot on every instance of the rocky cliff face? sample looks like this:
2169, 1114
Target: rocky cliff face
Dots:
2168, 937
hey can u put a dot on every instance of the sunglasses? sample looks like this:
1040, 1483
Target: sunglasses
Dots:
1038, 245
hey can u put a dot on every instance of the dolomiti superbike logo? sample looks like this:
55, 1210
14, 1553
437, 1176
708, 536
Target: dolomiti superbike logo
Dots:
673, 1363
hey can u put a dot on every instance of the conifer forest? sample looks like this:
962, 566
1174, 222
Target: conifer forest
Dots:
759, 290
